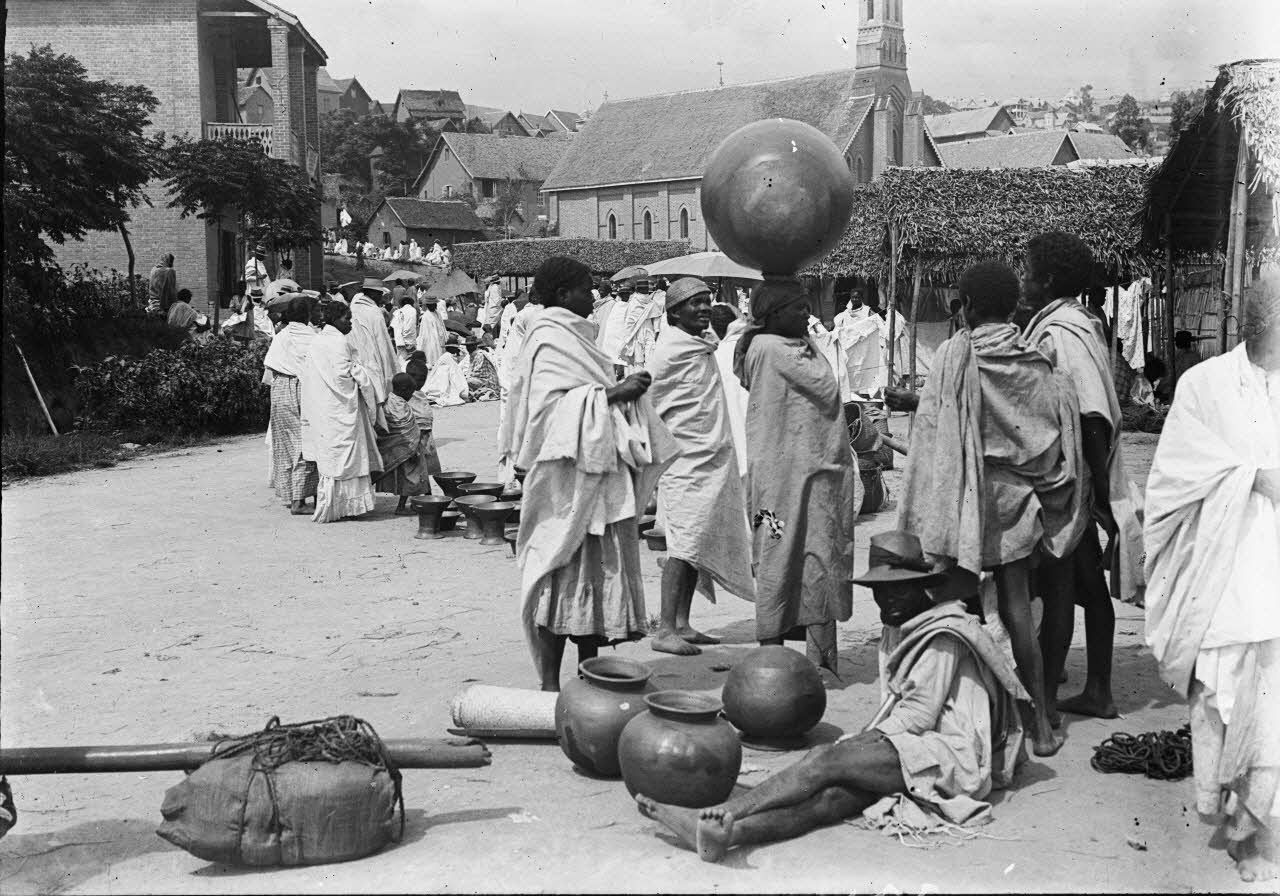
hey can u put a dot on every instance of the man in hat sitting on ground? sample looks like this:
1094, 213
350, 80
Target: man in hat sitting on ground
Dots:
701, 505
946, 733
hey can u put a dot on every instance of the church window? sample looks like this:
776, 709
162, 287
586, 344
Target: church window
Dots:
684, 223
871, 9
648, 225
857, 171
613, 227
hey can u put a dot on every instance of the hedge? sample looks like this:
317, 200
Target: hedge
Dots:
517, 258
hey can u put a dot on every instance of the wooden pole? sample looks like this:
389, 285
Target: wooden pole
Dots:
893, 299
1239, 221
415, 752
1115, 313
916, 277
32, 379
1171, 299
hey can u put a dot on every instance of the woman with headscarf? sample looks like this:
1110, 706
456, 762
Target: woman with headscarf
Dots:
594, 449
803, 489
163, 286
293, 477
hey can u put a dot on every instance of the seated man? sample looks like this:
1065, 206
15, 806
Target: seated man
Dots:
947, 732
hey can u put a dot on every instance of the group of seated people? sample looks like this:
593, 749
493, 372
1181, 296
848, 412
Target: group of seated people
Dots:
405, 250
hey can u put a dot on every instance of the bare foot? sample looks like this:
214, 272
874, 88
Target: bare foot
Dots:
1047, 744
298, 508
670, 642
405, 511
1087, 703
715, 830
1251, 863
693, 636
681, 822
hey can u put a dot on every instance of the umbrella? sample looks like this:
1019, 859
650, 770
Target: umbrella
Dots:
455, 284
401, 275
703, 264
627, 273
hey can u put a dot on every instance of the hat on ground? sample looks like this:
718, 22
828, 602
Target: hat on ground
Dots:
372, 283
685, 289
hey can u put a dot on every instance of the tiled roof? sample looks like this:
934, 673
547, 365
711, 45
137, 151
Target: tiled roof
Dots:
568, 119
492, 119
438, 102
427, 214
518, 158
326, 84
671, 136
481, 111
343, 84
969, 121
1033, 150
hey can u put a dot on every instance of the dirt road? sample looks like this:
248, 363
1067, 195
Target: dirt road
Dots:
171, 597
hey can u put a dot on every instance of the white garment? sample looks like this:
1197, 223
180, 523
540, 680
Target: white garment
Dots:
860, 335
616, 331
1127, 327
447, 383
404, 326
735, 397
492, 305
830, 348
255, 273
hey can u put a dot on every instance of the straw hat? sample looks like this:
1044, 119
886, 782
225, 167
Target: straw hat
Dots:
372, 284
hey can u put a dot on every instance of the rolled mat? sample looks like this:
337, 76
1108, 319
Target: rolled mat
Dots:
484, 707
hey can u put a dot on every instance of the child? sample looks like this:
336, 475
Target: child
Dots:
408, 455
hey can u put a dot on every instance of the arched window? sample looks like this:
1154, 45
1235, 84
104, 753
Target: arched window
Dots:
648, 225
871, 9
613, 227
857, 171
684, 223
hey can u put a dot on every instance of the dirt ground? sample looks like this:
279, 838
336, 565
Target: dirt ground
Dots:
171, 597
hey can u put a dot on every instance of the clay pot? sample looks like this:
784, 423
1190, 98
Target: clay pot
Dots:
593, 708
493, 520
656, 537
429, 508
450, 482
482, 488
449, 520
680, 751
776, 194
774, 692
466, 503
520, 474
511, 492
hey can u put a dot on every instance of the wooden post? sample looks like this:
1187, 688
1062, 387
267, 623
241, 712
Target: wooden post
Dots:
1171, 298
32, 379
1115, 313
1239, 221
893, 299
916, 277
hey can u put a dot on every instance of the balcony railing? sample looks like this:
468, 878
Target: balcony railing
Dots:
219, 130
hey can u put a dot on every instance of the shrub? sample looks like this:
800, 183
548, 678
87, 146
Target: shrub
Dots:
200, 387
29, 454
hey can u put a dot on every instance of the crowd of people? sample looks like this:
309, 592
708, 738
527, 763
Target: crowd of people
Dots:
410, 251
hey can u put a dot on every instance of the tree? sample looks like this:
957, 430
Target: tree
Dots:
346, 142
474, 125
935, 107
1130, 126
1185, 106
75, 157
1086, 102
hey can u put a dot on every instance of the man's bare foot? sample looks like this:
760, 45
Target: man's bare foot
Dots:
1251, 862
1090, 703
1047, 744
680, 821
298, 508
693, 636
670, 642
715, 830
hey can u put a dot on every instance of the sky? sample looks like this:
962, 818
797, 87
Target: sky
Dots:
535, 55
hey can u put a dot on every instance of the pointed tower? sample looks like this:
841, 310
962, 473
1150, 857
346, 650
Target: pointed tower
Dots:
882, 48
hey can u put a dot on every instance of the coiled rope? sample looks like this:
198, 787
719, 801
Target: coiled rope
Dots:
1163, 755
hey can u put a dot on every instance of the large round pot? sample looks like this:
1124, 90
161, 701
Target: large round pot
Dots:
774, 692
593, 708
680, 752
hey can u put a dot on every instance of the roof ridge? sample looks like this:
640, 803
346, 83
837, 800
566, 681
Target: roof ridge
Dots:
652, 96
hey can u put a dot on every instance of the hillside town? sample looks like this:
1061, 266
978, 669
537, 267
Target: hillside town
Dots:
833, 478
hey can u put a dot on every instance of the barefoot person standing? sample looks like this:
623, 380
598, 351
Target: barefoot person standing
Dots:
700, 501
945, 736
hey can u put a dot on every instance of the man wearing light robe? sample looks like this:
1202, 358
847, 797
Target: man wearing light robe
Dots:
431, 332
1212, 532
370, 339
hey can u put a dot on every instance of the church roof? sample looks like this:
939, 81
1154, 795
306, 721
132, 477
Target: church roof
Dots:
968, 121
671, 136
325, 83
1035, 150
499, 158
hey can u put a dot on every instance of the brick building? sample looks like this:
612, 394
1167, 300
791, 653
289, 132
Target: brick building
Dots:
403, 218
194, 49
634, 170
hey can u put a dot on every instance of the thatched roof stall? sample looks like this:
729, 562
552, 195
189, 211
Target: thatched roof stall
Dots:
1214, 199
521, 258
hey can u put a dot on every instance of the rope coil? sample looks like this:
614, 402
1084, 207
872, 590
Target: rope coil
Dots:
1163, 755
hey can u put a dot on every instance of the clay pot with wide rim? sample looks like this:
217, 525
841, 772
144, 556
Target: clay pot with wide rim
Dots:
452, 480
680, 752
482, 488
774, 692
465, 504
429, 508
593, 708
449, 520
492, 518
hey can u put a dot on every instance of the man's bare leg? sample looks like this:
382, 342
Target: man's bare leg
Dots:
866, 767
1099, 632
1013, 587
551, 656
679, 578
1057, 591
1255, 856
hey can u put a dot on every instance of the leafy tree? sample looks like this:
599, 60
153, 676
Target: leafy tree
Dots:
1130, 125
935, 107
75, 157
1186, 106
346, 142
474, 125
1086, 102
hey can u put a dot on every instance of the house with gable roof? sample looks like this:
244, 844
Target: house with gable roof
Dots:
341, 93
970, 124
634, 171
1034, 149
405, 218
430, 107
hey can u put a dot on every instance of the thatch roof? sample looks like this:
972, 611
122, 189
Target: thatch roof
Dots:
948, 219
1193, 185
522, 257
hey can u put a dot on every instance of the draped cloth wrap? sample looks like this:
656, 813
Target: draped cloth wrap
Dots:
590, 467
700, 497
994, 456
372, 343
766, 298
1074, 341
289, 349
803, 492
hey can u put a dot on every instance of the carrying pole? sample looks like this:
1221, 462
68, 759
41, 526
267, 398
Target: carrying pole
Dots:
893, 299
32, 379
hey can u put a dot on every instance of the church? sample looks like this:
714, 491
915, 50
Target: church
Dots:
635, 171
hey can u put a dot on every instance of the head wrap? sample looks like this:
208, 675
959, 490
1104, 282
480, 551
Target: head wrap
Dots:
685, 289
766, 298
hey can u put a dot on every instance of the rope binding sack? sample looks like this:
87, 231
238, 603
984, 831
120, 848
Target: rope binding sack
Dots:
1164, 755
301, 794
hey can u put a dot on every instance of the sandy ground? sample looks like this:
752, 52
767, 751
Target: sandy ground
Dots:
171, 596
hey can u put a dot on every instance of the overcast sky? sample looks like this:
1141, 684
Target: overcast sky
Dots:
532, 55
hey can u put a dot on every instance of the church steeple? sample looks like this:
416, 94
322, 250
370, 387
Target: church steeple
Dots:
882, 46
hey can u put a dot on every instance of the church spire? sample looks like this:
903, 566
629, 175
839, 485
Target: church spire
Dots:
880, 38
